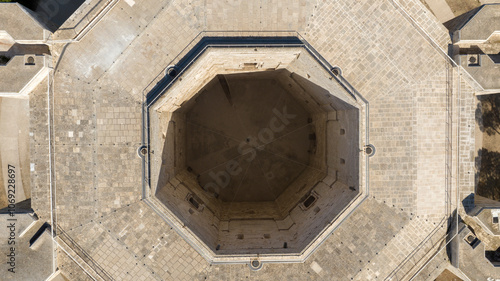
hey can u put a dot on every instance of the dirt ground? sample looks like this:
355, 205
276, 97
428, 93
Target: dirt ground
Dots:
447, 276
488, 146
459, 7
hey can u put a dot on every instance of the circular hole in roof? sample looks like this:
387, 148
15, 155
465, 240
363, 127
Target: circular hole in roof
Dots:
171, 71
255, 265
336, 71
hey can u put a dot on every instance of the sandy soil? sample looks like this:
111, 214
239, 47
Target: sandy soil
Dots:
447, 276
459, 7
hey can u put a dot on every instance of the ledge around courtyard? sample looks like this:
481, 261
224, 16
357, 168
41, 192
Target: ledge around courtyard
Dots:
191, 207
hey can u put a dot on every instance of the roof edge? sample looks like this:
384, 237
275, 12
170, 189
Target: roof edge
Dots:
36, 18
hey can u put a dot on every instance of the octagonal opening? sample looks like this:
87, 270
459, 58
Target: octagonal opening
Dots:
247, 139
259, 162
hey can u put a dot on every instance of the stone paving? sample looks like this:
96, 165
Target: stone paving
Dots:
394, 82
435, 267
98, 91
80, 18
467, 144
426, 20
396, 114
162, 253
431, 136
70, 267
39, 151
144, 241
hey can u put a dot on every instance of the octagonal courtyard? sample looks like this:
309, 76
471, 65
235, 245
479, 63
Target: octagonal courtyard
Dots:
259, 161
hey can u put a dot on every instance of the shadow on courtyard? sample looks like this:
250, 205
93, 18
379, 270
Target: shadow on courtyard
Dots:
487, 161
488, 174
488, 114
